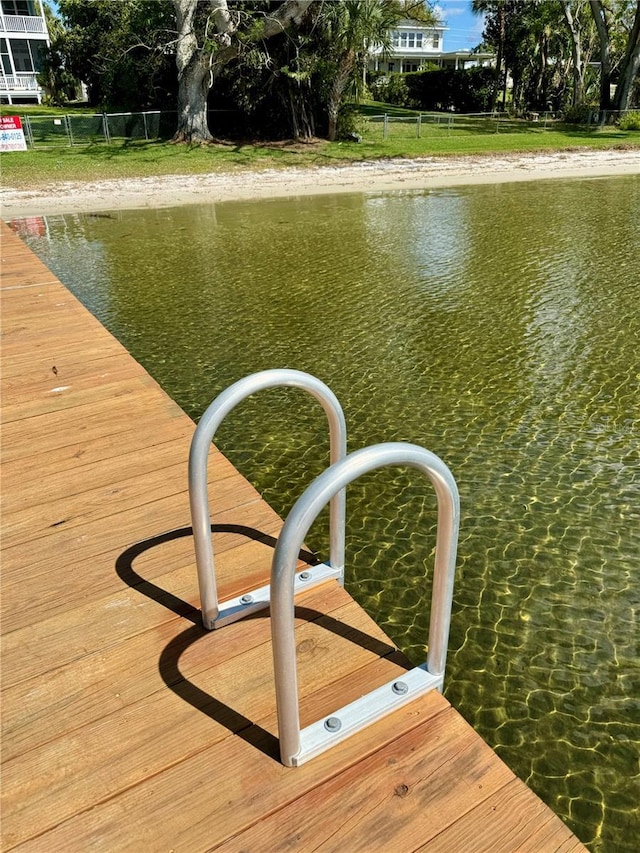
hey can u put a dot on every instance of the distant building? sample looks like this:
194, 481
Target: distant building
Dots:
23, 35
416, 45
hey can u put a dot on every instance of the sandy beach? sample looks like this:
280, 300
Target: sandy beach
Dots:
365, 177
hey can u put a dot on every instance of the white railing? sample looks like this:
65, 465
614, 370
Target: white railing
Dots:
23, 24
19, 83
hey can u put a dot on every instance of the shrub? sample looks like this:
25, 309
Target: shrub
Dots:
350, 123
630, 121
392, 89
578, 114
444, 89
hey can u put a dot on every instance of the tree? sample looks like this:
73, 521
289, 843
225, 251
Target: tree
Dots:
618, 26
210, 36
353, 27
630, 65
601, 17
119, 50
581, 45
495, 34
59, 83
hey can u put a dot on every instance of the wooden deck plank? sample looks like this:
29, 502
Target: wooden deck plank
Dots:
126, 725
392, 800
511, 823
73, 570
37, 800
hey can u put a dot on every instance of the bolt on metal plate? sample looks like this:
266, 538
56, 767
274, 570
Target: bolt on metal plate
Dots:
332, 724
304, 576
246, 599
400, 688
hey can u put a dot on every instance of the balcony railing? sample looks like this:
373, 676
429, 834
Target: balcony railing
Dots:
19, 83
31, 24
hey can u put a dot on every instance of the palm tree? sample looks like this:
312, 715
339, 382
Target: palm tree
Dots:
353, 28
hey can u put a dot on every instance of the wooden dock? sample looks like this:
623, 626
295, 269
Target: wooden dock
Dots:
127, 727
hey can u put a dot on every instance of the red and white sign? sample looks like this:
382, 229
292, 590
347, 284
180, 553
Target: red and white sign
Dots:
12, 134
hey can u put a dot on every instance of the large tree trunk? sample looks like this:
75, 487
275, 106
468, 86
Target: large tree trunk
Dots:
630, 66
605, 53
198, 65
192, 103
193, 77
576, 54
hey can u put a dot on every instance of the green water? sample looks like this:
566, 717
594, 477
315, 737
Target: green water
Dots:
500, 327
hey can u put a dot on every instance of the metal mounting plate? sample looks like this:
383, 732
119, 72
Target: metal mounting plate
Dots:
350, 719
258, 599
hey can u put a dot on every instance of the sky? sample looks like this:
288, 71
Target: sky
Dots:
464, 28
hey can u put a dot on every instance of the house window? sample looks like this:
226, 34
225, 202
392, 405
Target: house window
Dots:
395, 38
21, 55
403, 39
436, 40
412, 39
419, 40
4, 54
392, 66
18, 7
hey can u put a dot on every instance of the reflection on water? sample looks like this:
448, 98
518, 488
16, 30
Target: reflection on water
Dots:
499, 327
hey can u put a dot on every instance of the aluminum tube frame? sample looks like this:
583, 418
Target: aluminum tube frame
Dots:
199, 454
296, 527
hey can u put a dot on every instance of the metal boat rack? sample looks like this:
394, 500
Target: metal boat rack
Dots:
299, 745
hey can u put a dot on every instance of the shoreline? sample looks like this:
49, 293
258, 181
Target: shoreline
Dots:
363, 177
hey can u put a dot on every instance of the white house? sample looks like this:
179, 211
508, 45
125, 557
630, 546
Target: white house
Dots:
23, 34
415, 45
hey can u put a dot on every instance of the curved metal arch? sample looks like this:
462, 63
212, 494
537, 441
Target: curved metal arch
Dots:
297, 746
199, 498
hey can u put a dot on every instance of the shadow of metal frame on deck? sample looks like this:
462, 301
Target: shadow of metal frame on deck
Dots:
169, 660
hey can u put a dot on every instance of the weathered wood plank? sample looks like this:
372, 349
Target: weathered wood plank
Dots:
107, 755
82, 567
511, 822
218, 790
392, 800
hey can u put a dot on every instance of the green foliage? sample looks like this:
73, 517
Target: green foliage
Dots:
119, 49
447, 89
630, 121
578, 114
391, 88
351, 123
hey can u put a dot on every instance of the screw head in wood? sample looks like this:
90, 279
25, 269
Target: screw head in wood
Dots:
332, 724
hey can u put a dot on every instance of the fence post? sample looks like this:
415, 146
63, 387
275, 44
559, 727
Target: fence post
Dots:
29, 132
67, 122
385, 130
105, 128
144, 120
418, 125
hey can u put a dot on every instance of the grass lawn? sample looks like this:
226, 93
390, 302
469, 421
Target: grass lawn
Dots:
139, 158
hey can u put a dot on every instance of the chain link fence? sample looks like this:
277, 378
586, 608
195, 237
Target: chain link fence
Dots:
48, 131
434, 125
